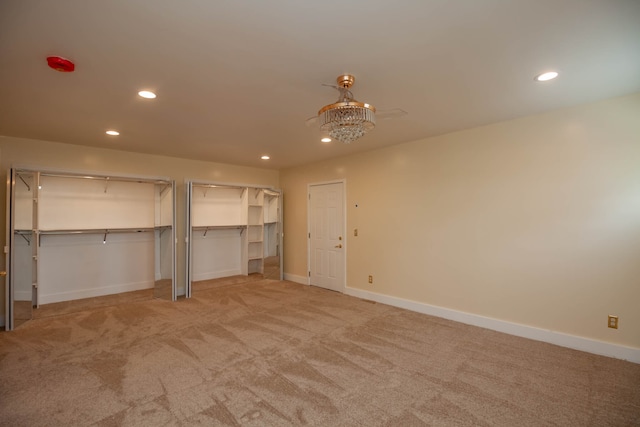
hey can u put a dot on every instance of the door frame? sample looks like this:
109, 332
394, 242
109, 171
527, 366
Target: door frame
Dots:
342, 181
12, 170
8, 320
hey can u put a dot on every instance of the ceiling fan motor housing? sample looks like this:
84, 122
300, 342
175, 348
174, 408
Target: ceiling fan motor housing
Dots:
346, 81
347, 119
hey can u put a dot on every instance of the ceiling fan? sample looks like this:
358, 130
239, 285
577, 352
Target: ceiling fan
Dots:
347, 119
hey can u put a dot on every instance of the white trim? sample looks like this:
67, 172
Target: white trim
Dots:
564, 340
342, 181
209, 275
22, 295
94, 292
303, 280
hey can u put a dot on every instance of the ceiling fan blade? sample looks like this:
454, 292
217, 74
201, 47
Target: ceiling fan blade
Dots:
333, 86
311, 121
393, 113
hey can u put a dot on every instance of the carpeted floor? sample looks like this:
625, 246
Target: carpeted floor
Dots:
271, 353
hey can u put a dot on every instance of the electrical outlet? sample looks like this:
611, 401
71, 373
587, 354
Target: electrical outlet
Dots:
370, 279
613, 321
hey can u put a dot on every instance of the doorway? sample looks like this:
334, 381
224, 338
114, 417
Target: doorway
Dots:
77, 240
234, 235
327, 243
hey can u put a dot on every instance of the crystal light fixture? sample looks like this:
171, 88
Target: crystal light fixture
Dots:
347, 119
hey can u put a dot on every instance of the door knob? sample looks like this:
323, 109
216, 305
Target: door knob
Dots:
339, 246
3, 273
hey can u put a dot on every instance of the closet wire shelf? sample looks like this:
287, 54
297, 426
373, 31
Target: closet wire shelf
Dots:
103, 231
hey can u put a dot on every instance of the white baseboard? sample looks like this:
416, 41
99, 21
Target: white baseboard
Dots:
303, 280
564, 340
94, 292
216, 274
22, 295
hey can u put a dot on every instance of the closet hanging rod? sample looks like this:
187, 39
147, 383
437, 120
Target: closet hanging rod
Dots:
97, 231
236, 187
219, 227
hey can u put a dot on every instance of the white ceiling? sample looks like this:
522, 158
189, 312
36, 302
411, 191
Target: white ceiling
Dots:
237, 79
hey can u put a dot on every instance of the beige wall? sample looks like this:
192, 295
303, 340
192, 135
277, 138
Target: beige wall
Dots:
50, 155
534, 221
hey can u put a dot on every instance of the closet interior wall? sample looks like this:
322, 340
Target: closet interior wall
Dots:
219, 239
233, 229
78, 236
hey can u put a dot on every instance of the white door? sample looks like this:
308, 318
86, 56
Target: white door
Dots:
326, 236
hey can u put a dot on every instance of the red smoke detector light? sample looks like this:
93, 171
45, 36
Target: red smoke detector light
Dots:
60, 64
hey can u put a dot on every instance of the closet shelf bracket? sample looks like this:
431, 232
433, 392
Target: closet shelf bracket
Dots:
163, 228
25, 182
165, 188
25, 238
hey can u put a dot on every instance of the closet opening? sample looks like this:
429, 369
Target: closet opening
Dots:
78, 241
234, 235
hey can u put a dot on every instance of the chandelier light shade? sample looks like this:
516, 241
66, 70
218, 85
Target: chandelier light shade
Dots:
347, 120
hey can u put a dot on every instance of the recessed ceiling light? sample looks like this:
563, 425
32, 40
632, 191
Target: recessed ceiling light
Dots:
147, 94
550, 75
265, 157
326, 139
112, 132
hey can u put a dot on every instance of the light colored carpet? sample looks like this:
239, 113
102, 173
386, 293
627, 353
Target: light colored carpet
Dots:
271, 353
